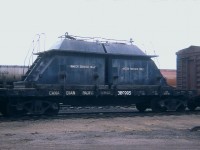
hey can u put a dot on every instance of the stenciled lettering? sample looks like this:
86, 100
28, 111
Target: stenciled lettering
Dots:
106, 93
124, 92
87, 92
132, 69
54, 93
82, 66
70, 93
74, 66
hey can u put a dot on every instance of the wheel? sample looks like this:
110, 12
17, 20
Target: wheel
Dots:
3, 109
54, 109
39, 107
170, 104
141, 107
14, 109
156, 106
32, 107
181, 108
191, 106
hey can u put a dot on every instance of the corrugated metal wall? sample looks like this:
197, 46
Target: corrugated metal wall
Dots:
188, 68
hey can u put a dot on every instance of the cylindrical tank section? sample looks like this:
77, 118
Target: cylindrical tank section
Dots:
10, 74
188, 68
170, 76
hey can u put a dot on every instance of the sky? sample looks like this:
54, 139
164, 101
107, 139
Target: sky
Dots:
160, 27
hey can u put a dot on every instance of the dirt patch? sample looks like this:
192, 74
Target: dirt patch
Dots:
158, 132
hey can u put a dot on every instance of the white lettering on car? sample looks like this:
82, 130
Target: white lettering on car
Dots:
70, 93
124, 93
54, 93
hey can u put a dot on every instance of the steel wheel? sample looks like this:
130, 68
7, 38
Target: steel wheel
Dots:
156, 106
191, 106
39, 107
141, 107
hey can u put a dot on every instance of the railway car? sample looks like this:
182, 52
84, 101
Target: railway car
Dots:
170, 75
81, 72
188, 72
10, 74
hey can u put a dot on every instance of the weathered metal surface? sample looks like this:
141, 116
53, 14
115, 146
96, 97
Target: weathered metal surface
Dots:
69, 45
86, 72
85, 69
78, 46
123, 49
188, 68
75, 62
134, 72
74, 70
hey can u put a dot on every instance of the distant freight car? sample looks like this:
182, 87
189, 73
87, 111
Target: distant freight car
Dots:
10, 74
85, 72
188, 72
170, 76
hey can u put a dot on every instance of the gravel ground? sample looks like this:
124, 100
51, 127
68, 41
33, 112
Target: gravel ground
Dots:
103, 133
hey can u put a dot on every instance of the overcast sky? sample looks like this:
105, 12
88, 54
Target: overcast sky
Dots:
159, 27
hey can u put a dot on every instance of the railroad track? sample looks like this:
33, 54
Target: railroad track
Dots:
69, 112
